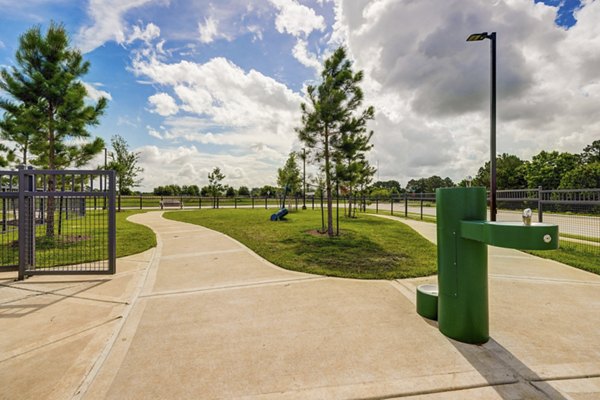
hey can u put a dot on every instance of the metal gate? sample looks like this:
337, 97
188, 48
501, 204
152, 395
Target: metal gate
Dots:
58, 222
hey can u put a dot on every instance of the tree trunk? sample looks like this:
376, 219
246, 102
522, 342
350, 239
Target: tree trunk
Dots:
328, 186
51, 179
350, 203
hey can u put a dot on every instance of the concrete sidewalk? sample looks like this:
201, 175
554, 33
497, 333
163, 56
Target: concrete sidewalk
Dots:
203, 317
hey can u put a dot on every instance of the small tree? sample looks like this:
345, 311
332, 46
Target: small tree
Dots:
289, 176
330, 113
230, 192
46, 83
351, 165
125, 165
215, 187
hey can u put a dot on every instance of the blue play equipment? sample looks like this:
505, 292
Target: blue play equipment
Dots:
282, 212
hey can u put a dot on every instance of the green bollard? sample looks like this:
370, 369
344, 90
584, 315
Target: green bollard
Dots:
462, 266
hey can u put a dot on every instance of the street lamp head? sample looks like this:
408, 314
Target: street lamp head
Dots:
475, 37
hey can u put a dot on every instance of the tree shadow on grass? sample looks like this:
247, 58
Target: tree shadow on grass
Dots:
348, 255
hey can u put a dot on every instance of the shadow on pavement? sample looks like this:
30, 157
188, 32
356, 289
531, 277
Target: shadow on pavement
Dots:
500, 357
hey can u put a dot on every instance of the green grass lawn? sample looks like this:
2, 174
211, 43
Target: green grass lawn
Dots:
576, 255
570, 253
132, 238
368, 248
80, 241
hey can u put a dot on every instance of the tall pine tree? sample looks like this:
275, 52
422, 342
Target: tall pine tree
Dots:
332, 114
46, 81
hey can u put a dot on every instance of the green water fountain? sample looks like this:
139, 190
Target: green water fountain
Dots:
460, 300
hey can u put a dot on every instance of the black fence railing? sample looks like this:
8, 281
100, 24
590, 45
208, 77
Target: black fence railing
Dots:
58, 222
577, 212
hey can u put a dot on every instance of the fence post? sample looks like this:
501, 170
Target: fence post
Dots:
252, 197
376, 204
4, 216
405, 205
140, 201
266, 202
26, 222
181, 202
421, 206
200, 202
112, 223
234, 201
392, 204
540, 212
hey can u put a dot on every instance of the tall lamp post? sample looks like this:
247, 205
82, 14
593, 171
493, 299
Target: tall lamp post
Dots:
475, 37
304, 178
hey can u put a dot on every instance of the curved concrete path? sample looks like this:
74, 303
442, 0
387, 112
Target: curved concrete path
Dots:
202, 317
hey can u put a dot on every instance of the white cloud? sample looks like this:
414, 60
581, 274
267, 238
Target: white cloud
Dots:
249, 118
163, 104
126, 121
431, 88
208, 30
147, 34
224, 92
296, 19
2, 45
302, 54
257, 32
95, 94
108, 22
190, 165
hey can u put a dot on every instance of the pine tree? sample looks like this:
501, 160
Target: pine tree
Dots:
332, 113
46, 81
352, 168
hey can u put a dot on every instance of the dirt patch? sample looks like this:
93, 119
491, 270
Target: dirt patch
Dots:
316, 232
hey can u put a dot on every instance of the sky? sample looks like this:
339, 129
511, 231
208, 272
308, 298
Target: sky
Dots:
194, 85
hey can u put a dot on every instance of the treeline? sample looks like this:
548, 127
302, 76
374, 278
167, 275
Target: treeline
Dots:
550, 170
208, 191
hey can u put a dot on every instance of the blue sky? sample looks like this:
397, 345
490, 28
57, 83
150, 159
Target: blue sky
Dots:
193, 85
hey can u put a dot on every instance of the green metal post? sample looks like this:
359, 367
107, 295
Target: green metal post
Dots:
462, 266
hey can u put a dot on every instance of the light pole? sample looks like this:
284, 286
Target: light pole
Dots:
475, 37
304, 178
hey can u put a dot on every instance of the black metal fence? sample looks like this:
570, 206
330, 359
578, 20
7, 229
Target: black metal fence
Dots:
577, 212
58, 222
